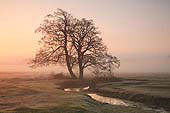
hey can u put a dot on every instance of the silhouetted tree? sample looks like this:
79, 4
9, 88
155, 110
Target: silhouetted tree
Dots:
111, 62
87, 43
70, 41
107, 63
57, 47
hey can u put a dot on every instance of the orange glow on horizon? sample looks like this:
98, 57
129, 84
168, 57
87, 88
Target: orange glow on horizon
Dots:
132, 30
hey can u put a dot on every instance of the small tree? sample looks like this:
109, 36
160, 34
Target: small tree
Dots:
111, 63
106, 65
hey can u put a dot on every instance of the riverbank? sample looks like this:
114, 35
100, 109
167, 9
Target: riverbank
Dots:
151, 91
37, 95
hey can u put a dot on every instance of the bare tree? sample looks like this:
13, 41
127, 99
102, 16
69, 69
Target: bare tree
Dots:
110, 62
70, 41
106, 64
57, 47
91, 51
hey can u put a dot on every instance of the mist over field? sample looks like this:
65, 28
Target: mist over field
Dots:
158, 64
84, 56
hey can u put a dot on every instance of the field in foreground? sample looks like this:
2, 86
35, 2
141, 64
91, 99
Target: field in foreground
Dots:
43, 96
151, 89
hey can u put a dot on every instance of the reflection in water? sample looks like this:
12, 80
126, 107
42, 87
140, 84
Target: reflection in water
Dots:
86, 88
76, 89
72, 89
108, 100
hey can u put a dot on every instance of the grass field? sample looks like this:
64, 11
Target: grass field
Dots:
20, 95
153, 90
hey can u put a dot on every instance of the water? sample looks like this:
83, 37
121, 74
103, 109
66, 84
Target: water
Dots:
115, 101
99, 98
77, 89
72, 89
108, 100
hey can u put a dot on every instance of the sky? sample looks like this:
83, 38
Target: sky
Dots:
136, 31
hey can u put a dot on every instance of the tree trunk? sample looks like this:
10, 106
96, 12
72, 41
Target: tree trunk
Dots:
80, 67
67, 58
81, 74
71, 72
68, 65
